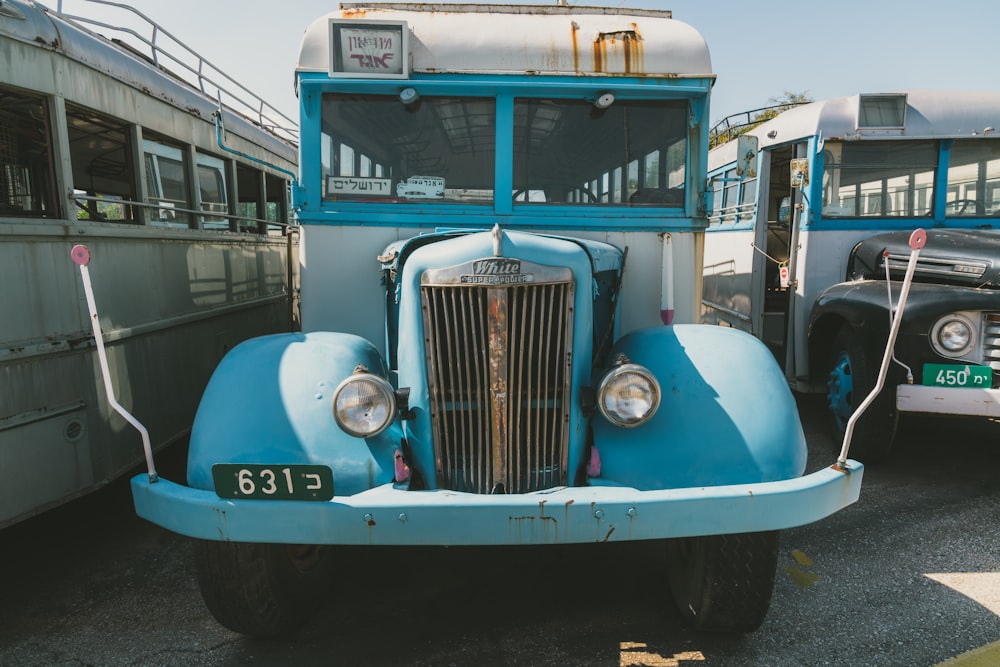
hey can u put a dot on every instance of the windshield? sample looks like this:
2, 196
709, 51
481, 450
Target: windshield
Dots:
570, 151
376, 148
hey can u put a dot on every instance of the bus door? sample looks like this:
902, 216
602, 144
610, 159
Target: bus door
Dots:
775, 240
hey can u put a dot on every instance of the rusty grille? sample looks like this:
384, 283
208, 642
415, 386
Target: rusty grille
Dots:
499, 360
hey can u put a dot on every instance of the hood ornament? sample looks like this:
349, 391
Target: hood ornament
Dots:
497, 240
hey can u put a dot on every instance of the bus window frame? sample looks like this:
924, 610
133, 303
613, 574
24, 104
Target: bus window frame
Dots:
41, 185
208, 165
985, 203
864, 197
155, 148
503, 90
93, 202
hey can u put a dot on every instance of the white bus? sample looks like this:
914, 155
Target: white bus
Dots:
808, 236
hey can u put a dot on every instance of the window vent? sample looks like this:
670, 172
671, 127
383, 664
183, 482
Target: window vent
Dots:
882, 112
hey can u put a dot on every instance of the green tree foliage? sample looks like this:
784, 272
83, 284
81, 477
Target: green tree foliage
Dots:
733, 126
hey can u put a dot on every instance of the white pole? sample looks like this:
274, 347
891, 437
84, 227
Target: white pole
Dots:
81, 255
917, 240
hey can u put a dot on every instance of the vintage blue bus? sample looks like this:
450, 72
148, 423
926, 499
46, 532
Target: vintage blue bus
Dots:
100, 144
807, 242
502, 215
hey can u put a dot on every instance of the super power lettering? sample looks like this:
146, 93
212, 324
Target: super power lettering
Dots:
497, 267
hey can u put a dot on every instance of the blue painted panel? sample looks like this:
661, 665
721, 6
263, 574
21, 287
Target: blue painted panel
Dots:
391, 516
270, 401
727, 415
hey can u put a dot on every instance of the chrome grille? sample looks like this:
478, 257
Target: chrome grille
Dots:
499, 365
939, 266
991, 341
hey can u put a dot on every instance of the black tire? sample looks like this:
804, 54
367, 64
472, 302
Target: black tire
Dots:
262, 590
852, 376
723, 583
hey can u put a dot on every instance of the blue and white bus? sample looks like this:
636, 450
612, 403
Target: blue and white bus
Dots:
502, 215
104, 143
807, 243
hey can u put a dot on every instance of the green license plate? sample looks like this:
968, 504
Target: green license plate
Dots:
949, 375
272, 482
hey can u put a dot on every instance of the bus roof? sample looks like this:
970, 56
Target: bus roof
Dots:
159, 69
913, 114
528, 39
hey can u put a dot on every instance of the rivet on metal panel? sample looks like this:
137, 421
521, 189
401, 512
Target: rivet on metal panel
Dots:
598, 514
369, 519
631, 512
402, 517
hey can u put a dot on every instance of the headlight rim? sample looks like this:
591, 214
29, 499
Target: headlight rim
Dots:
614, 373
386, 390
945, 320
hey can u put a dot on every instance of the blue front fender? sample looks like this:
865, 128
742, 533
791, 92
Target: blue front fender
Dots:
270, 401
726, 416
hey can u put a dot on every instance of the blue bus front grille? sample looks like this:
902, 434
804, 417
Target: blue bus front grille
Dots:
499, 367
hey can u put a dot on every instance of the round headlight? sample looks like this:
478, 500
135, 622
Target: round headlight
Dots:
953, 336
364, 405
628, 395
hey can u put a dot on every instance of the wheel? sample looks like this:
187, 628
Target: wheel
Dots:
723, 583
262, 590
852, 377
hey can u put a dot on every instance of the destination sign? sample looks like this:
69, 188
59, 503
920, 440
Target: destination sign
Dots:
354, 185
376, 49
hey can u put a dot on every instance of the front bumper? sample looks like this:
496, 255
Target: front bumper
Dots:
391, 516
965, 401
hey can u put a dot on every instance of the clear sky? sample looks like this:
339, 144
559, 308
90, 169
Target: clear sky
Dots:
760, 49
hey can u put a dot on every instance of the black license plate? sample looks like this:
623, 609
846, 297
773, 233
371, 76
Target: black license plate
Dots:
272, 482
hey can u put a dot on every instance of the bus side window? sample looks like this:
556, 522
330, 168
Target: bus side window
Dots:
276, 196
212, 188
973, 179
166, 184
26, 165
102, 166
250, 193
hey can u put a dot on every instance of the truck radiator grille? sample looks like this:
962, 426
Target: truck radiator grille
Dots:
499, 366
991, 343
937, 267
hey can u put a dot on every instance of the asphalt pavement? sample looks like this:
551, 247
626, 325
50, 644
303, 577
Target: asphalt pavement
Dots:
909, 575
